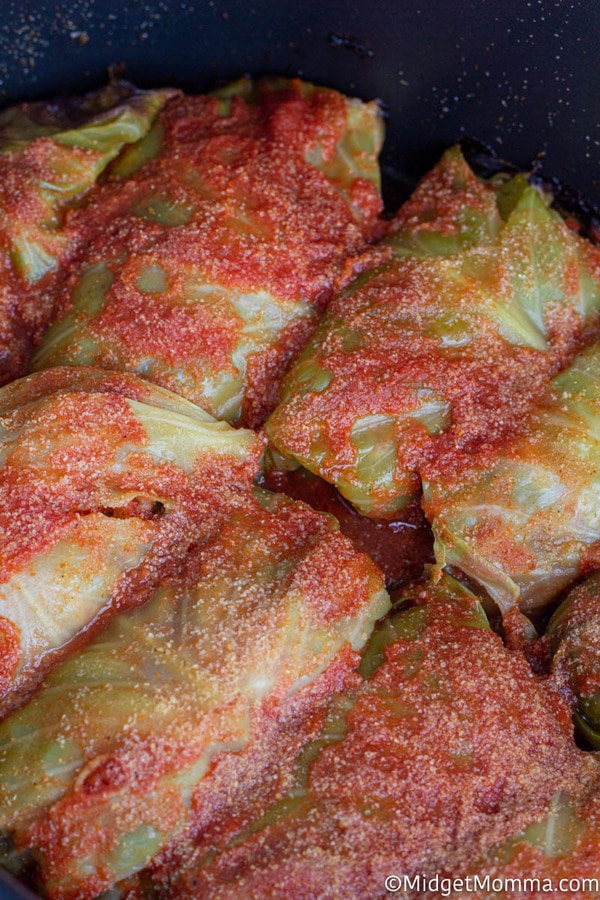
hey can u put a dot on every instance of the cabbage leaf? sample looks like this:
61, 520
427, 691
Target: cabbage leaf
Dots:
430, 356
98, 479
521, 527
121, 733
219, 240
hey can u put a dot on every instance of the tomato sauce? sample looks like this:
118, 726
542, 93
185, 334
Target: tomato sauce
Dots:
400, 547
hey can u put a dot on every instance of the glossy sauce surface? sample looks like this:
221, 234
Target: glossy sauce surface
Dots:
400, 547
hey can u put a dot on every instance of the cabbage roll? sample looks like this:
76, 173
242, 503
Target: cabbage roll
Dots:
102, 769
432, 356
524, 525
105, 481
448, 748
51, 155
218, 240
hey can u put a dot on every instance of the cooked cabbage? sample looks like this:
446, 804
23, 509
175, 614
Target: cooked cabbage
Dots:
449, 756
51, 155
522, 525
438, 352
105, 481
119, 735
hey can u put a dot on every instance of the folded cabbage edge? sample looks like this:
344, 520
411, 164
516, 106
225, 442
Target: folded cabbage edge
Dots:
356, 154
75, 140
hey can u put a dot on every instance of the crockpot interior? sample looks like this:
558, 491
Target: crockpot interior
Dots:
522, 77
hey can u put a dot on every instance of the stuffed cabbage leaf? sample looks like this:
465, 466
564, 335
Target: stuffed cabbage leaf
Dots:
449, 748
216, 243
524, 525
432, 357
105, 481
51, 155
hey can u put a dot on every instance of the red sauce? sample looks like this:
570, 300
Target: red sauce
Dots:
241, 786
423, 331
400, 547
65, 471
439, 200
26, 306
489, 388
159, 327
273, 569
54, 470
10, 652
392, 791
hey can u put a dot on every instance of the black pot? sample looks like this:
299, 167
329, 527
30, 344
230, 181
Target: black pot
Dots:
522, 77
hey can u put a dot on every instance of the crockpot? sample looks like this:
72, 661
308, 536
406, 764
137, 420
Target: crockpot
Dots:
520, 76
